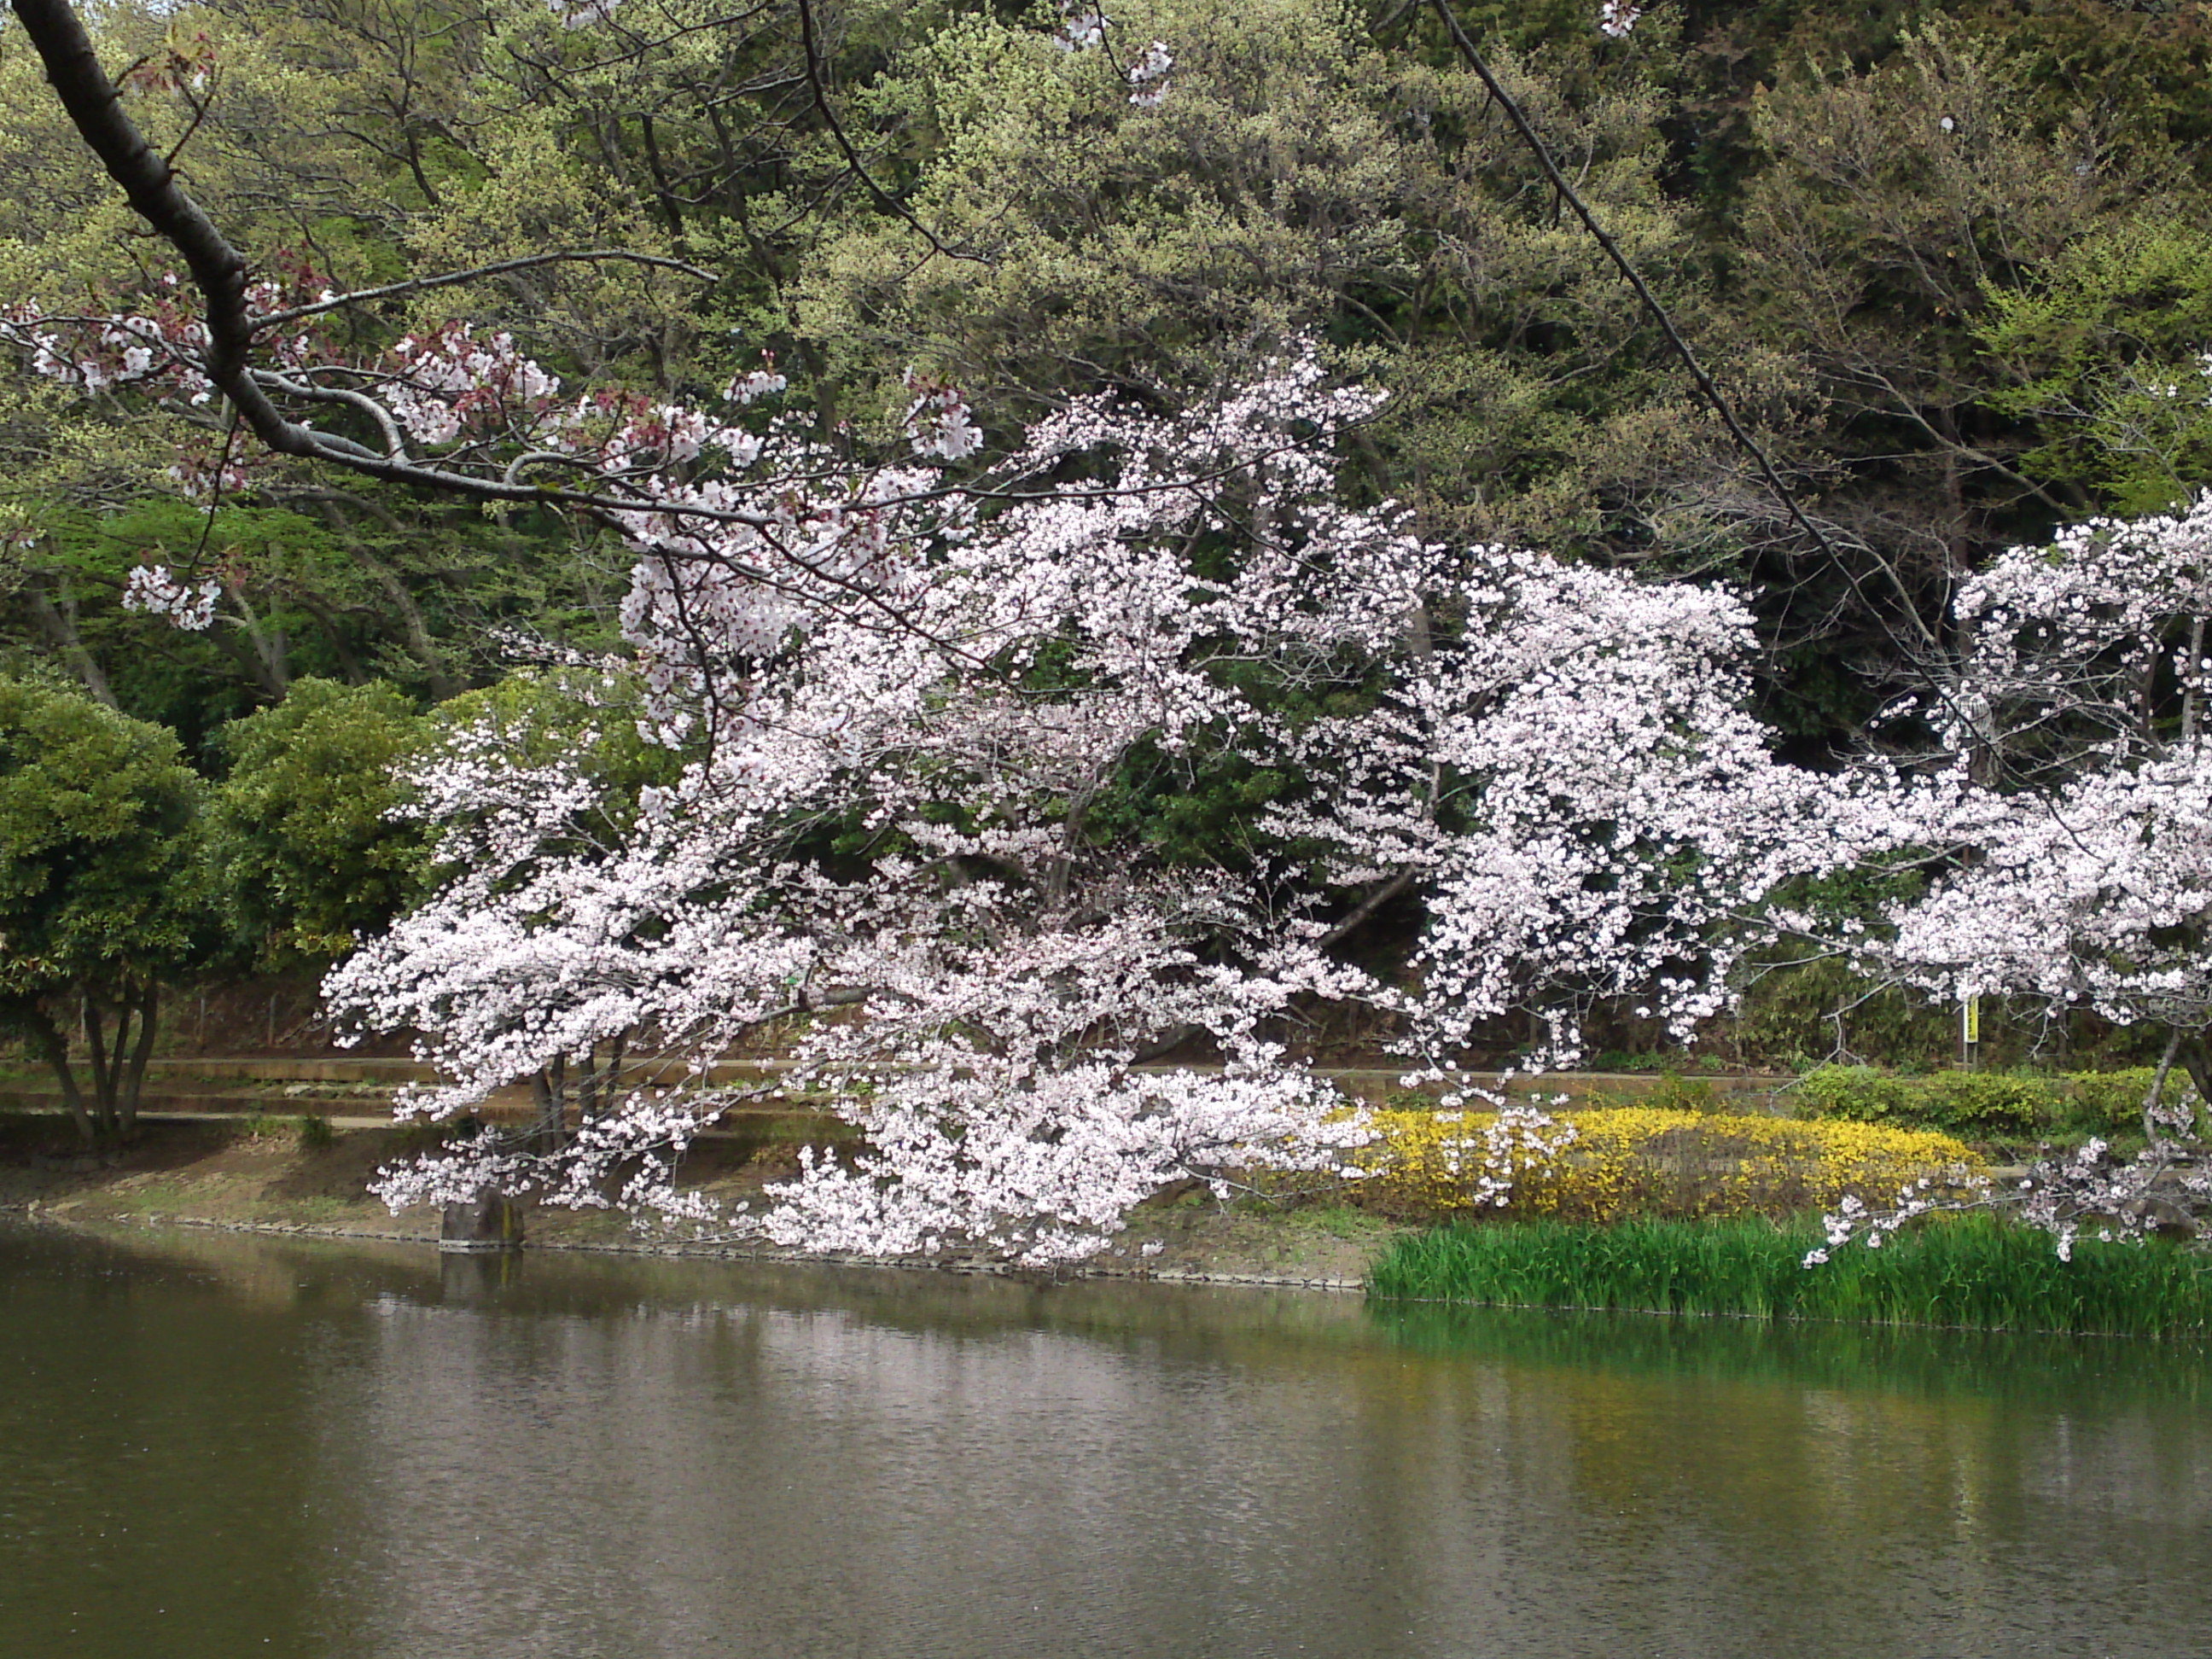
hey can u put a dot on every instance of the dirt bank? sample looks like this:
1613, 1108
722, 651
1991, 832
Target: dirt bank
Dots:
267, 1176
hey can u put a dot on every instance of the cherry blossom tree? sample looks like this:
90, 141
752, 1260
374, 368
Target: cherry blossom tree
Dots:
2076, 865
901, 688
952, 669
1566, 770
1558, 760
953, 685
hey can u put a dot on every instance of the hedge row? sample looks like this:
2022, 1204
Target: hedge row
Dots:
1985, 1104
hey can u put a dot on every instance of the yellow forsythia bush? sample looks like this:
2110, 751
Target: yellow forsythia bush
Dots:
1647, 1161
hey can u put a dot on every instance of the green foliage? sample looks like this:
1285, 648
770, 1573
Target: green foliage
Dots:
1190, 809
1301, 180
1974, 1271
2111, 1103
1794, 1014
2150, 65
1861, 1093
102, 891
2106, 349
314, 1133
99, 873
1676, 1093
1987, 1105
300, 830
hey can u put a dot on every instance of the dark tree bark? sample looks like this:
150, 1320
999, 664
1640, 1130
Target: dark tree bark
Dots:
56, 619
53, 1048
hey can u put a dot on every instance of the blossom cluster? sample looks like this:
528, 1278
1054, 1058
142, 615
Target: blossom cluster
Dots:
999, 973
1617, 18
2072, 861
1572, 778
154, 590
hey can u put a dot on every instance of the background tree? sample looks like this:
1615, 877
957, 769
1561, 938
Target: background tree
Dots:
302, 831
103, 895
2106, 353
1855, 214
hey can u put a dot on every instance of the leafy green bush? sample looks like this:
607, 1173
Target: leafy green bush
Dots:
2111, 1102
1989, 1103
309, 854
1986, 1105
1860, 1093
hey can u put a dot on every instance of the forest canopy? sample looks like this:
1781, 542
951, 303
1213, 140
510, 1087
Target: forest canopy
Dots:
1941, 253
657, 520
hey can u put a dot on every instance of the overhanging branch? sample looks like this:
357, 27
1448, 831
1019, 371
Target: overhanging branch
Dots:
218, 270
220, 274
477, 273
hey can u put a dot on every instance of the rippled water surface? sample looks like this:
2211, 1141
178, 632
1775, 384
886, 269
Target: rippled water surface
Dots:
212, 1447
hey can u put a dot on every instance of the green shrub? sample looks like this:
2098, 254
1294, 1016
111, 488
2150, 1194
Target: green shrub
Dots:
1859, 1093
2110, 1103
315, 1132
1983, 1104
1986, 1105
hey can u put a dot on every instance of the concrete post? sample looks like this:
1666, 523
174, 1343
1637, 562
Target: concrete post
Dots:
487, 1222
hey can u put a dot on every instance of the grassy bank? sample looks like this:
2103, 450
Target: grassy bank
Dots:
1974, 1273
269, 1173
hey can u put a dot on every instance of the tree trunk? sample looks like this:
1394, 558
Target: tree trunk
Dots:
550, 1085
2198, 1060
414, 633
103, 1072
135, 1080
54, 1047
598, 1092
58, 623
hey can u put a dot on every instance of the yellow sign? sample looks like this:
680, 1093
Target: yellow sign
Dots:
1970, 1021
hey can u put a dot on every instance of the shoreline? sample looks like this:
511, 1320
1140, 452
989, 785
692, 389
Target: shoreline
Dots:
219, 1177
47, 1216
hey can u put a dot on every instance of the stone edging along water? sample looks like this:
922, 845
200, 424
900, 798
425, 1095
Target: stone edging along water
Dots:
708, 1252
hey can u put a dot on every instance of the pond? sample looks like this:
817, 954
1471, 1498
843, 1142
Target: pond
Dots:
213, 1446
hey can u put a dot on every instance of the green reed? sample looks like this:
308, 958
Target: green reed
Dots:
1976, 1272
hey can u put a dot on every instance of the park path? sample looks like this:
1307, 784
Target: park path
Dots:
356, 1092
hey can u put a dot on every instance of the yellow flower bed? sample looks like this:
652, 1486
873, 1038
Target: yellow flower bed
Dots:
1647, 1161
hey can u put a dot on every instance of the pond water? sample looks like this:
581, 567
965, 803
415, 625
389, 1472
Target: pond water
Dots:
215, 1446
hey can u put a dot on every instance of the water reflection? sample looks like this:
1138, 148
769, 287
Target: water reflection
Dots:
625, 1458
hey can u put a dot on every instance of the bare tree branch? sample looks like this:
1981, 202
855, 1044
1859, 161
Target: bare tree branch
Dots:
416, 284
218, 270
885, 199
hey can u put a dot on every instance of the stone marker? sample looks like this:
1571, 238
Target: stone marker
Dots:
486, 1222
